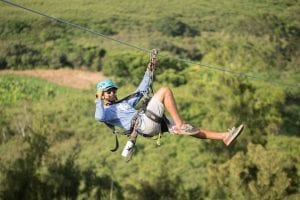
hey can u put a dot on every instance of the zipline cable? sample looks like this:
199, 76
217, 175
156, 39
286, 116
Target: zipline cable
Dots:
237, 73
146, 50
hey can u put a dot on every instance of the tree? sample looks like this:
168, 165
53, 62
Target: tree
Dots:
258, 174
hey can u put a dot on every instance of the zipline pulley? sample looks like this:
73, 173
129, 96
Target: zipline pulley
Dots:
153, 58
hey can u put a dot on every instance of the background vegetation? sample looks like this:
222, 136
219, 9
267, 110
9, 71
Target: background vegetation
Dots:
52, 148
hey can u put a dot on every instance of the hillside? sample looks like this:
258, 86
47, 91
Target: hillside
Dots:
228, 63
257, 38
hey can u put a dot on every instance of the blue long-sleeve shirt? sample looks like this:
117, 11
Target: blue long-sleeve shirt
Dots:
121, 114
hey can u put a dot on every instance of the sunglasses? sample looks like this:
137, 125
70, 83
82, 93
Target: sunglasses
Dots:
112, 90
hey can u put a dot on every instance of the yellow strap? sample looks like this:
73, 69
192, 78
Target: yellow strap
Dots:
158, 139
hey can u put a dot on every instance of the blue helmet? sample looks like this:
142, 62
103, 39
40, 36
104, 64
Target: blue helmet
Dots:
106, 85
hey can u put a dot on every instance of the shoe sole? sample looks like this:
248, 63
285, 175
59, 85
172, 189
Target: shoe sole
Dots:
180, 132
188, 133
240, 130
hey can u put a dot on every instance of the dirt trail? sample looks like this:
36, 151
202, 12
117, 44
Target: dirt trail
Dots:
68, 77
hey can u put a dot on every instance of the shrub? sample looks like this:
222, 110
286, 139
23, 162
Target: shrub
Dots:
14, 27
21, 56
172, 27
259, 174
173, 77
128, 67
263, 24
193, 54
50, 34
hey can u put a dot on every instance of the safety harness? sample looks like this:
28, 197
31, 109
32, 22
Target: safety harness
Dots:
133, 133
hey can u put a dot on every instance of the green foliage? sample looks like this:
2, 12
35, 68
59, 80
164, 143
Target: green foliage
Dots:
55, 147
59, 54
14, 27
126, 67
52, 148
22, 57
291, 113
17, 88
19, 178
172, 77
163, 188
192, 53
263, 41
262, 24
172, 27
260, 173
130, 68
41, 176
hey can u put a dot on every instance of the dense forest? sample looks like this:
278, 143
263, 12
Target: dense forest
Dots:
227, 62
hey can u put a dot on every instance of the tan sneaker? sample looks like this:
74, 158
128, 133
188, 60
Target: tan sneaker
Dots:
233, 133
186, 129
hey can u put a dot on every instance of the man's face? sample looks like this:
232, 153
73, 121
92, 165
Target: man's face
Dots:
110, 95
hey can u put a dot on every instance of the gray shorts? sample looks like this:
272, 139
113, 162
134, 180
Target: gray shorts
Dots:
148, 126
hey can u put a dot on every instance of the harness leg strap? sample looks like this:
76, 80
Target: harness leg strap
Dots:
154, 117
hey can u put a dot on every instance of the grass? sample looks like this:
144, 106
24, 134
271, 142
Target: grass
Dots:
15, 88
132, 14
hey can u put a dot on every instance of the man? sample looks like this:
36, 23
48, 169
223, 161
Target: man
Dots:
123, 113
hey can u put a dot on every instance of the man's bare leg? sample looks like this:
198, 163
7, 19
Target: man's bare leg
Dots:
206, 134
165, 95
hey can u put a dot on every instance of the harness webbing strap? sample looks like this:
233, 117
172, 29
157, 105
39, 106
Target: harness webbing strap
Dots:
116, 144
151, 115
116, 138
127, 97
133, 122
